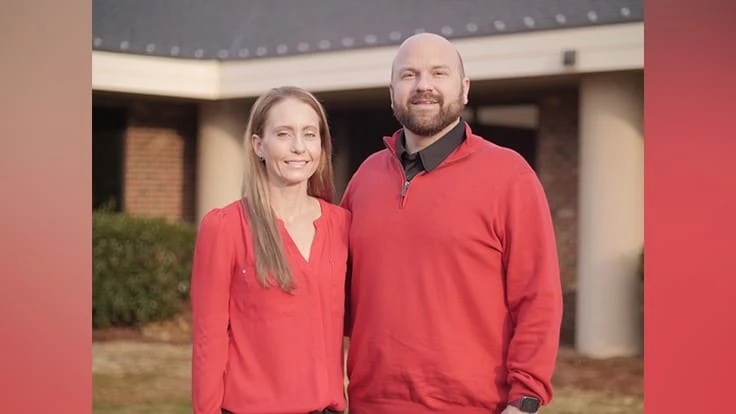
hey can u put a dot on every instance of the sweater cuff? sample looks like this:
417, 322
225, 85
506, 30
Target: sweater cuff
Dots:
518, 389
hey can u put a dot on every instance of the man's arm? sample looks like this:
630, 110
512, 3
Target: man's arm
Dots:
533, 289
346, 204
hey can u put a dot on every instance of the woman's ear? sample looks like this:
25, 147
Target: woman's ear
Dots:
257, 144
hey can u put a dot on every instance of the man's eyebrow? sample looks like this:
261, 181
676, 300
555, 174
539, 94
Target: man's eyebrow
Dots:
413, 69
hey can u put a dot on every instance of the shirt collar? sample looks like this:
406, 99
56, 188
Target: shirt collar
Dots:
433, 155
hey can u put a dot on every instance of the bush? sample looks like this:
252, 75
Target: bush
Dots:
141, 269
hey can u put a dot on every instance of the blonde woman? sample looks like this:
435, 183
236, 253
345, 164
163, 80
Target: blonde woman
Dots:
269, 271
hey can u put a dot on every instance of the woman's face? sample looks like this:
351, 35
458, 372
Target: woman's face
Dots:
291, 145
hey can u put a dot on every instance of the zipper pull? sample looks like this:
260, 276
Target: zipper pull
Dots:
404, 188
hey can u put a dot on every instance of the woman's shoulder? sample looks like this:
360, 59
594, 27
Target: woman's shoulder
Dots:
336, 213
222, 216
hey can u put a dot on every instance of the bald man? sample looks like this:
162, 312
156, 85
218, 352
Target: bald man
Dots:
455, 300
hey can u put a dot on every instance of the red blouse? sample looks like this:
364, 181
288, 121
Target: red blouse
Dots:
258, 350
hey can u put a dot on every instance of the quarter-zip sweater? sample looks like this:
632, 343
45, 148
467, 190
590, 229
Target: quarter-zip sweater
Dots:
455, 298
262, 350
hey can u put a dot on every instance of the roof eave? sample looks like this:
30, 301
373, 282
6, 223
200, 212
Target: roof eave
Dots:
531, 54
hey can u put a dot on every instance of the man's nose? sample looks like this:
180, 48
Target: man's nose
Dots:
424, 84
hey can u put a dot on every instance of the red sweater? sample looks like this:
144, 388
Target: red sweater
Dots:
456, 298
258, 350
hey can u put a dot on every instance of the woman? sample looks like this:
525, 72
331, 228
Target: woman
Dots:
269, 271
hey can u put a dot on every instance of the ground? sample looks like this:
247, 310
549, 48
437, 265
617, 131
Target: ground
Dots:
148, 371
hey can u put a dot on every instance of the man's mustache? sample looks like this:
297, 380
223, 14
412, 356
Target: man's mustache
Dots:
426, 96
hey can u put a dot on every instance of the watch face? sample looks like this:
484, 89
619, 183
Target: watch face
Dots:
529, 405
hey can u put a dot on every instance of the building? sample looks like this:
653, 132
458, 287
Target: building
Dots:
560, 81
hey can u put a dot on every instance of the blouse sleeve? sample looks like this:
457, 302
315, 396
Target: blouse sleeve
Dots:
210, 291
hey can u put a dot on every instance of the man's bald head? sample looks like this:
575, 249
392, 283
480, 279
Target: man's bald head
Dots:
425, 46
429, 89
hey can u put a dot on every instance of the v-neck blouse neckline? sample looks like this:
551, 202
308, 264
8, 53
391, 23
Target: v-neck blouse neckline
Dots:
287, 238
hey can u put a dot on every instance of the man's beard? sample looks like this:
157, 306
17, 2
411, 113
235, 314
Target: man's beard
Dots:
427, 126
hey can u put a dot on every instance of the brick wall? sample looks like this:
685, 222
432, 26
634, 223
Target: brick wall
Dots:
160, 160
557, 160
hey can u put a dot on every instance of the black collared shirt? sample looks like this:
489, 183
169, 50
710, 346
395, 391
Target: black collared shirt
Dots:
432, 156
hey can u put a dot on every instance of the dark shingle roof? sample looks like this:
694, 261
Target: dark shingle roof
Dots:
248, 29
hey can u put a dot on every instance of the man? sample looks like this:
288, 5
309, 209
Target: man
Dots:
454, 299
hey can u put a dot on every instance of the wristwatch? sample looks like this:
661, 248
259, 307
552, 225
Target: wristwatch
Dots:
526, 404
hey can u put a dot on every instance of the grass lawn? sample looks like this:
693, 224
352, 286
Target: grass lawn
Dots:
140, 377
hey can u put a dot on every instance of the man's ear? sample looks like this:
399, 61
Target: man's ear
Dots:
466, 89
391, 94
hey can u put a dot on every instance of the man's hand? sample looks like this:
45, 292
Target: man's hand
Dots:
512, 410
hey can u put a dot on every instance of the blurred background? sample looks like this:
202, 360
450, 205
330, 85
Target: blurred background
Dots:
559, 81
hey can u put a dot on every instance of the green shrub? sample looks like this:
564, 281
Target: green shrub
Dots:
141, 269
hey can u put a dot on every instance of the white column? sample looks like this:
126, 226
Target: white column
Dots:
611, 215
220, 154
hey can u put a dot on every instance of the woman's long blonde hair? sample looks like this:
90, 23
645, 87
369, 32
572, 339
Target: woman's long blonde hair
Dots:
268, 246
